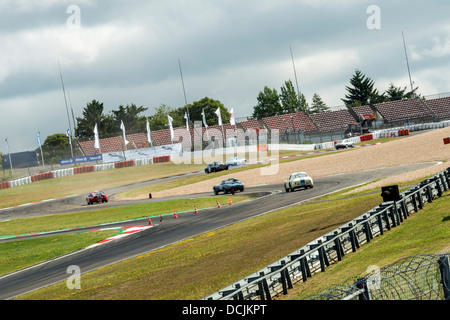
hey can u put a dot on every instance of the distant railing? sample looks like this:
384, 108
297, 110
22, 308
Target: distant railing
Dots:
316, 256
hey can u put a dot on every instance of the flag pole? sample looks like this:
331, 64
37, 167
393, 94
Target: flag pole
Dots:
10, 161
40, 147
67, 108
184, 92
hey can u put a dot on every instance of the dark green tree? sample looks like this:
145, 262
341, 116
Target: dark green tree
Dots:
131, 117
159, 120
397, 93
210, 106
55, 147
290, 100
93, 114
318, 105
268, 104
361, 91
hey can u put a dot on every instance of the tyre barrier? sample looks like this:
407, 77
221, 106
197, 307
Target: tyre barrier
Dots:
143, 161
62, 173
85, 169
161, 159
105, 166
5, 185
42, 176
124, 164
366, 137
403, 132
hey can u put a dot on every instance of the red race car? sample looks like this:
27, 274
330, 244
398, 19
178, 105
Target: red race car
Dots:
96, 196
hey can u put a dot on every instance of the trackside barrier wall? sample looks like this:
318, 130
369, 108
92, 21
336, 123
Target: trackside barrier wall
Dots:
124, 164
319, 254
85, 169
161, 159
5, 185
78, 170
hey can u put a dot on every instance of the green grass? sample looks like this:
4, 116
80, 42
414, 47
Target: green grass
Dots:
108, 215
21, 254
199, 266
84, 183
196, 267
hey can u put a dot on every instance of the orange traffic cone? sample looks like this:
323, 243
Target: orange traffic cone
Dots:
218, 204
229, 201
150, 222
195, 209
175, 214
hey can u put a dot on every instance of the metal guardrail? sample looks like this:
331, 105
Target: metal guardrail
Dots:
317, 255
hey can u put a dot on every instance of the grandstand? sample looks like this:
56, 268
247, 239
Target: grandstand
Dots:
403, 110
333, 120
390, 113
290, 121
440, 107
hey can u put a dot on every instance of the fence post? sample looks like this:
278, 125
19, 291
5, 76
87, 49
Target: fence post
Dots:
367, 231
413, 200
362, 284
398, 216
444, 266
419, 197
441, 176
386, 219
404, 208
338, 247
306, 272
429, 195
438, 187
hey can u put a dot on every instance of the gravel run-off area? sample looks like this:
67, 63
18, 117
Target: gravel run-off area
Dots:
418, 148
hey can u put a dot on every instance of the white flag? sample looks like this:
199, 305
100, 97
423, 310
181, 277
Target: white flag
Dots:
170, 127
204, 118
219, 116
232, 122
187, 122
97, 140
38, 140
123, 130
149, 137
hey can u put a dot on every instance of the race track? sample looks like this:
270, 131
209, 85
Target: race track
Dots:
172, 230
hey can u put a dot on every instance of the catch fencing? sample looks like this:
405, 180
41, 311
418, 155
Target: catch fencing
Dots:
316, 256
420, 277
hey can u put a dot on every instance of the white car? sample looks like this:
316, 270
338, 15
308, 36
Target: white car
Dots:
235, 161
344, 144
298, 180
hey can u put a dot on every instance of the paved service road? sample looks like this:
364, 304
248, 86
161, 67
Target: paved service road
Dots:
187, 225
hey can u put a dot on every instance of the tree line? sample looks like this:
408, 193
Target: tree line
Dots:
108, 124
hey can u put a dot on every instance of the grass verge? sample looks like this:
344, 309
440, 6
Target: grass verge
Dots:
108, 215
199, 266
21, 254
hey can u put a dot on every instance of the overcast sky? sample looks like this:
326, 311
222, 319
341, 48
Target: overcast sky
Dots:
123, 52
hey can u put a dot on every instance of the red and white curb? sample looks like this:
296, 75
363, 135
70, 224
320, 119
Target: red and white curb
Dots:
127, 231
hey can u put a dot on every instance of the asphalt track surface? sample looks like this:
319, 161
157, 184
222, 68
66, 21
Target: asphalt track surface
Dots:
187, 225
